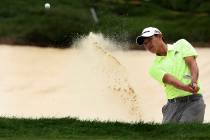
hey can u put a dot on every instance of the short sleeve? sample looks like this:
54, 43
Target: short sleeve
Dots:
186, 48
157, 73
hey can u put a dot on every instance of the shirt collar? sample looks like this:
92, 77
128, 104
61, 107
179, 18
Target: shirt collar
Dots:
170, 47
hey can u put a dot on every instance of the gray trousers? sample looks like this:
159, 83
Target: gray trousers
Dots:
184, 111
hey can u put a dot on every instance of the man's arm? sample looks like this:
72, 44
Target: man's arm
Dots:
193, 67
171, 80
192, 64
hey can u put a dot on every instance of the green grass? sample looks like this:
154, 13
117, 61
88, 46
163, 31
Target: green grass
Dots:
27, 22
67, 128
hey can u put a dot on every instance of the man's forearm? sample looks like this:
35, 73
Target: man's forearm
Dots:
193, 67
194, 72
171, 80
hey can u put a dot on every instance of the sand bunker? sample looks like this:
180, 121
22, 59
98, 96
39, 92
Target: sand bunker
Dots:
92, 80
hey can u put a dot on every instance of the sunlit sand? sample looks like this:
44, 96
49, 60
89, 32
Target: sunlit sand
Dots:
91, 80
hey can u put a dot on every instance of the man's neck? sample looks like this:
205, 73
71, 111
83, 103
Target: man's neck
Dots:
163, 50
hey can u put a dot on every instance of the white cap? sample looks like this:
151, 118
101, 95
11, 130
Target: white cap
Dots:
147, 32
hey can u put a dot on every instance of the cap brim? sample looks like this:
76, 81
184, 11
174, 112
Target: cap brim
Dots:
140, 40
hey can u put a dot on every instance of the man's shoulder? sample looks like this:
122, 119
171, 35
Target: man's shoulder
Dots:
182, 45
181, 42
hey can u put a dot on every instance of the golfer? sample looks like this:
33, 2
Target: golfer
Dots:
175, 67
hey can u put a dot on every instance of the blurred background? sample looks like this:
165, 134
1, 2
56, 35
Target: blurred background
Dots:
30, 23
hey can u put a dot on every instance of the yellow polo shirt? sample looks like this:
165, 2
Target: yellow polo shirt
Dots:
173, 63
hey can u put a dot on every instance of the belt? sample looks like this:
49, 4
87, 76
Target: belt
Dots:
194, 97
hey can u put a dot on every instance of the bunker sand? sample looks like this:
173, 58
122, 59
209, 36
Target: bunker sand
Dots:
88, 81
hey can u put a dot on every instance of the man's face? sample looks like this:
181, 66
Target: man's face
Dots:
151, 43
148, 44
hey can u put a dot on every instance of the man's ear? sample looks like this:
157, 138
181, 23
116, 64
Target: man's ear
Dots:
160, 35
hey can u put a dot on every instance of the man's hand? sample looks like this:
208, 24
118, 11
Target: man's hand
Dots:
190, 88
195, 87
187, 88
